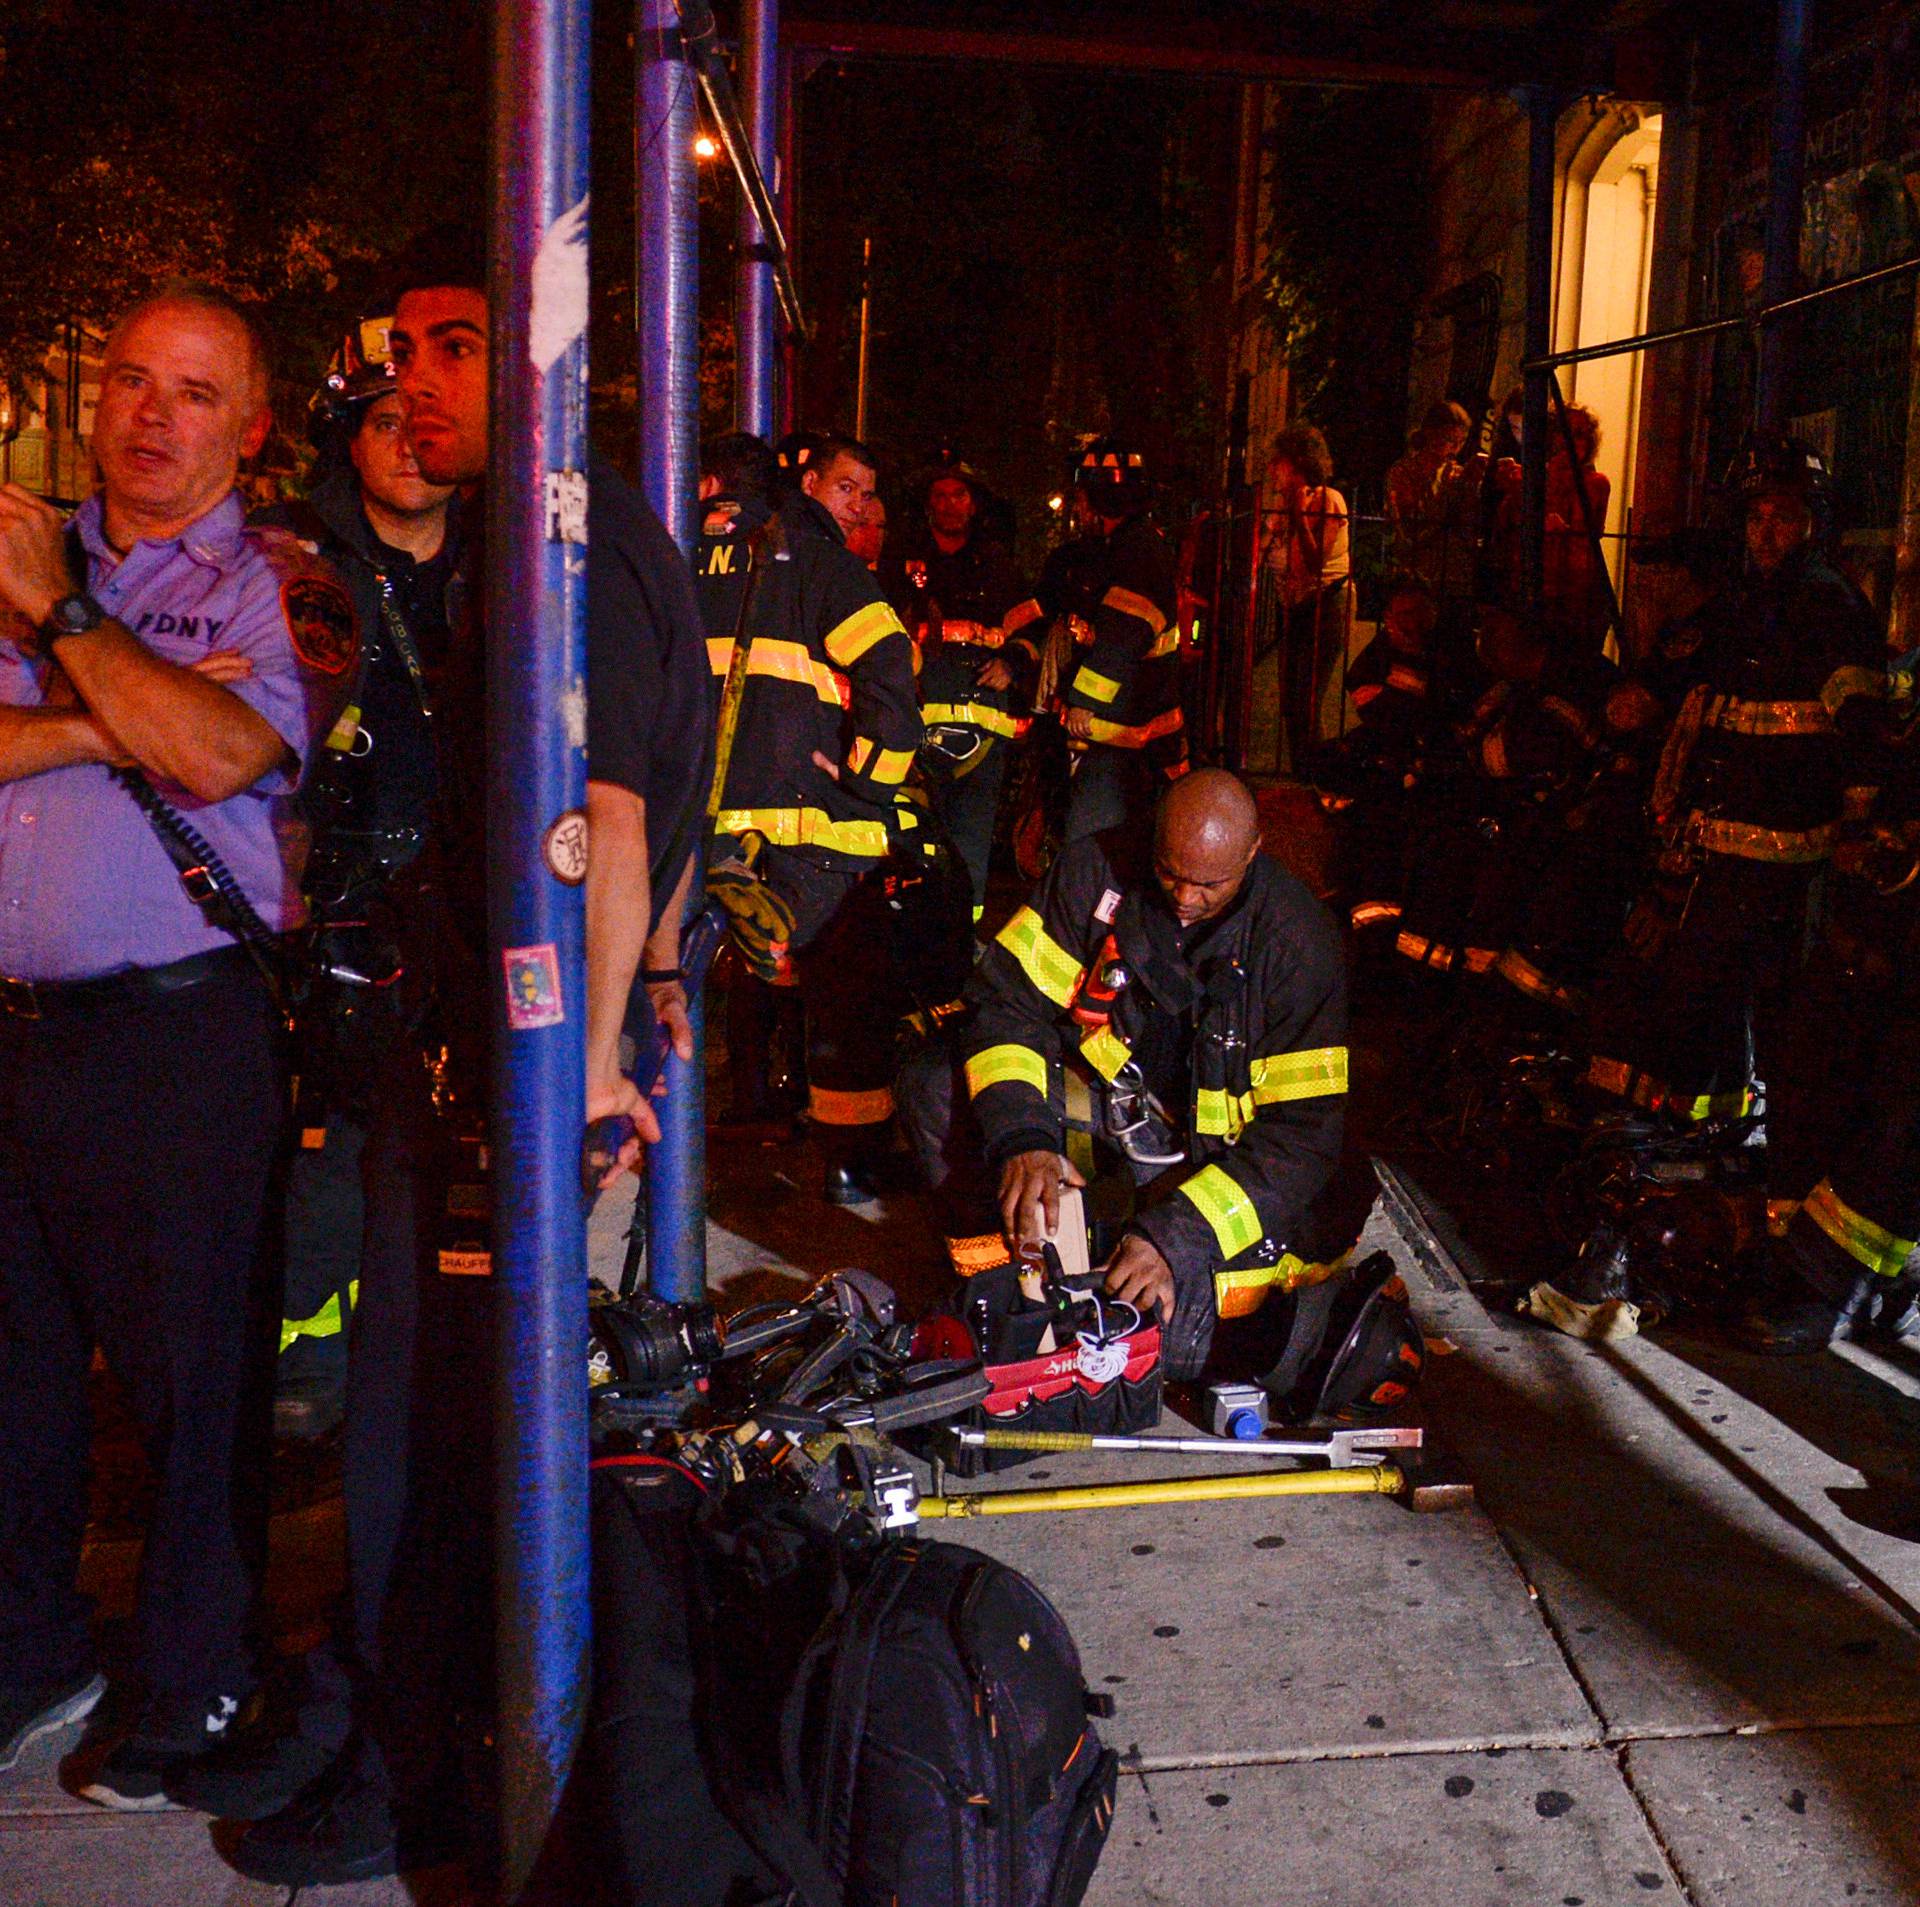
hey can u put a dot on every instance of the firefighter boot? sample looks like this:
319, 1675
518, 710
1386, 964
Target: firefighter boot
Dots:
1810, 1294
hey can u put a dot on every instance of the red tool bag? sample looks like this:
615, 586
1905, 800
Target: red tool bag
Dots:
1071, 1361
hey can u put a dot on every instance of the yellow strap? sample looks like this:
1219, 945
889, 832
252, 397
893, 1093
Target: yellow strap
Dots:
325, 1323
1042, 959
1094, 685
805, 828
1857, 1235
1006, 1066
1310, 1073
794, 662
1130, 602
1221, 1115
848, 641
1226, 1207
833, 1107
1106, 1052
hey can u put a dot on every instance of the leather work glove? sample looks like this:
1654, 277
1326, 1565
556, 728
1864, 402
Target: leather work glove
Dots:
760, 920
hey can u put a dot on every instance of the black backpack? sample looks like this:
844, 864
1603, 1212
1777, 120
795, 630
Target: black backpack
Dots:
904, 1726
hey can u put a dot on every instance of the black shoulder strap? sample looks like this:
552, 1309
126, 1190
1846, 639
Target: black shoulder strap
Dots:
208, 881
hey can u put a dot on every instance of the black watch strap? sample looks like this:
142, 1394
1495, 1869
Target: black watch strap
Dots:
71, 615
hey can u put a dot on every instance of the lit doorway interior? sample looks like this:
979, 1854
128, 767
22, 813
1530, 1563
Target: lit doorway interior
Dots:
1611, 182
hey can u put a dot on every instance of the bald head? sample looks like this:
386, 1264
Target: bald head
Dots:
1205, 836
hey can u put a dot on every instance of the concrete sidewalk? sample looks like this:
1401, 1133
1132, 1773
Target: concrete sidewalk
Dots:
1666, 1655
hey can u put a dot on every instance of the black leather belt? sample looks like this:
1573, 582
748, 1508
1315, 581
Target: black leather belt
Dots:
40, 999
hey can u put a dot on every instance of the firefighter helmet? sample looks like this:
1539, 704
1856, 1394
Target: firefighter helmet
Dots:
1112, 474
1380, 1358
360, 370
1780, 463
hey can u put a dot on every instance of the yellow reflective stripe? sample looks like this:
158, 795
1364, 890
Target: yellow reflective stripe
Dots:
1518, 971
1090, 682
976, 715
793, 662
805, 828
1166, 643
719, 654
1712, 1105
1857, 1235
890, 765
848, 641
1843, 684
1221, 1115
1430, 953
1750, 843
1118, 735
1105, 1051
1221, 1202
1006, 1066
1042, 958
1130, 602
1311, 1073
1768, 718
325, 1323
1020, 615
1238, 1294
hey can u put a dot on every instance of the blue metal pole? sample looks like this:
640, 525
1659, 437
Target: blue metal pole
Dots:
753, 297
536, 624
667, 248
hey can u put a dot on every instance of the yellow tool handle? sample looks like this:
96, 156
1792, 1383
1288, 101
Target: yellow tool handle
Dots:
1380, 1479
1032, 1440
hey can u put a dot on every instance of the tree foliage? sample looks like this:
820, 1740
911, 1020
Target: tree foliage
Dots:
276, 150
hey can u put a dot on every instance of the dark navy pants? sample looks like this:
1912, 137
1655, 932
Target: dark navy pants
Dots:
135, 1144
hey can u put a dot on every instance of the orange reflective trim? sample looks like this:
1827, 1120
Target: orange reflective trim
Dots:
835, 1108
1020, 615
1746, 842
971, 1256
1430, 953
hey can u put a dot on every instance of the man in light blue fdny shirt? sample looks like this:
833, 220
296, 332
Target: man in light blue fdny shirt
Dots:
140, 1088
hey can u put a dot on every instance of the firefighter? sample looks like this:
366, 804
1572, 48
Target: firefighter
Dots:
1121, 701
738, 475
1177, 1003
978, 629
819, 725
395, 540
1780, 681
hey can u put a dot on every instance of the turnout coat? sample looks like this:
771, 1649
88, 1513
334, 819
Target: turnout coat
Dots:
1265, 996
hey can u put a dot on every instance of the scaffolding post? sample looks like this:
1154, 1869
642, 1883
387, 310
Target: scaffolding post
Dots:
1786, 174
753, 296
667, 248
1542, 117
536, 635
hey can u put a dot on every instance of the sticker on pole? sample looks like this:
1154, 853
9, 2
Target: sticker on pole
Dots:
533, 987
567, 506
559, 313
564, 848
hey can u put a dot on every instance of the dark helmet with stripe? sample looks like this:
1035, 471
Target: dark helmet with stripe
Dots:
1112, 474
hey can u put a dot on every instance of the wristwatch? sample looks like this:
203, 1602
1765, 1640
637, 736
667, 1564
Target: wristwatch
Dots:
70, 616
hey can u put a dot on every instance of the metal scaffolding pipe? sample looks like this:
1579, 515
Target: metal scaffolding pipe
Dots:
1542, 116
536, 636
1786, 175
667, 247
787, 167
667, 279
753, 294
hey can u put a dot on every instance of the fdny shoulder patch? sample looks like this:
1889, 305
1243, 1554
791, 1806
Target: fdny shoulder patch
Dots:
320, 617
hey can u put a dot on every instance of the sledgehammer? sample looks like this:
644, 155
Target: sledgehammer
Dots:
1342, 1449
